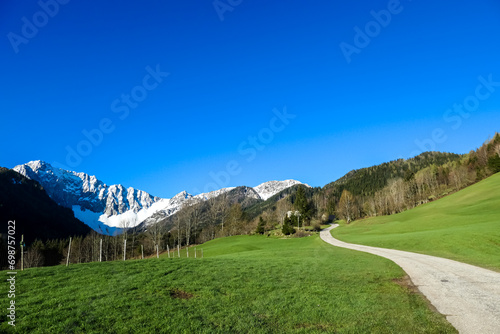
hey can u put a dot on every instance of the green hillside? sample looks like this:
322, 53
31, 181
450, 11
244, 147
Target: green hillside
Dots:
244, 284
464, 226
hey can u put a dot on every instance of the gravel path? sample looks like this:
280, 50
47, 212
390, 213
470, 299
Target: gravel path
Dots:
468, 296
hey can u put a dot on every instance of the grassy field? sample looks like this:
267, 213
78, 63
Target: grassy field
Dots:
244, 284
464, 226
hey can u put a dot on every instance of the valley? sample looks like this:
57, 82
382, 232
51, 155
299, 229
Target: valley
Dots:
232, 166
260, 264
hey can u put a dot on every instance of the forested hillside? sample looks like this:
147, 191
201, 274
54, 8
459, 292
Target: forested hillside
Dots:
36, 215
367, 181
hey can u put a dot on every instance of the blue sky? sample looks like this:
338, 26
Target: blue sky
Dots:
175, 98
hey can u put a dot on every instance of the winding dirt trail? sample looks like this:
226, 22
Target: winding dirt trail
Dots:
468, 296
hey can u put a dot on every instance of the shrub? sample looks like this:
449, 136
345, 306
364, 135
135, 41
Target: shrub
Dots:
301, 234
316, 227
287, 229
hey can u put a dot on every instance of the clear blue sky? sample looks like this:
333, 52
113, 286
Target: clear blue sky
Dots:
73, 73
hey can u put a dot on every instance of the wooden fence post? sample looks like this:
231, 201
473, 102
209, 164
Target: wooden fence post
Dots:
168, 251
69, 251
100, 251
22, 252
124, 249
142, 251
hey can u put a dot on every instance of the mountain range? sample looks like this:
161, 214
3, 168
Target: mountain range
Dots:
108, 209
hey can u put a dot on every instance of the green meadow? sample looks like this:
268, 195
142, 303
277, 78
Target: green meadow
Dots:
464, 226
244, 284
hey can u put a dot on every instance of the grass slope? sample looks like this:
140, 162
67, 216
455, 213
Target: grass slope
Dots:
464, 226
244, 284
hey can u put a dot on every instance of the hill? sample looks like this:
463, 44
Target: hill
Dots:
367, 181
244, 284
464, 226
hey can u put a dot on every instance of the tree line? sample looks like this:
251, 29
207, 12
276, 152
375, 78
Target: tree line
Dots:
195, 223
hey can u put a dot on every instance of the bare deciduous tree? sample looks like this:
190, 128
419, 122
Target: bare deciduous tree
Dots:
346, 207
282, 207
397, 189
218, 211
34, 257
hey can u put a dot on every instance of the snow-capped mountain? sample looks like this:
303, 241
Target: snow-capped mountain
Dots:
107, 209
92, 201
271, 188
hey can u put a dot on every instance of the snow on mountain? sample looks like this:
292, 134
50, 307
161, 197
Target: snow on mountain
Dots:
171, 206
109, 209
212, 194
66, 188
115, 205
271, 188
71, 188
92, 219
106, 209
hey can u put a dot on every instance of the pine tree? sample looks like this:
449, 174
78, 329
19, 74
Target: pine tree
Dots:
287, 227
494, 163
302, 205
261, 226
